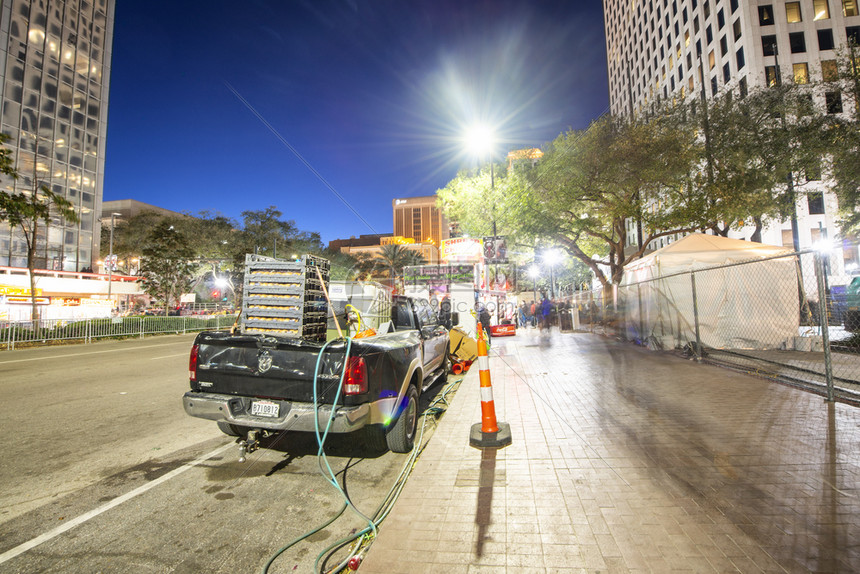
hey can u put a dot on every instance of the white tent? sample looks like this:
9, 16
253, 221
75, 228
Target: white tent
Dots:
751, 306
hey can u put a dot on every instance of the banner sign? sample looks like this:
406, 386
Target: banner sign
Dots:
23, 291
439, 274
496, 249
460, 250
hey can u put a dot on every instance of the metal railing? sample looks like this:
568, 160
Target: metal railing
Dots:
776, 317
26, 333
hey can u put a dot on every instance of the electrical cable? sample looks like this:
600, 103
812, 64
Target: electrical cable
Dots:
382, 511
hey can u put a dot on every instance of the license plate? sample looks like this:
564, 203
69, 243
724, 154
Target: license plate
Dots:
265, 408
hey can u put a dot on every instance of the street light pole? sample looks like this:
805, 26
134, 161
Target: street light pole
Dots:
110, 256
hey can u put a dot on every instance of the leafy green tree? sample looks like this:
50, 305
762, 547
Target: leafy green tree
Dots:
758, 154
845, 139
167, 264
31, 212
589, 184
129, 237
389, 262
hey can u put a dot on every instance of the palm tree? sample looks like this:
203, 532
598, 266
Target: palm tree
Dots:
394, 258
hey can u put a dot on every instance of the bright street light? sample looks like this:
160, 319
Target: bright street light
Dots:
480, 140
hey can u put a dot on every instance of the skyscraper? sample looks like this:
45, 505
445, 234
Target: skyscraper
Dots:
54, 74
661, 49
672, 50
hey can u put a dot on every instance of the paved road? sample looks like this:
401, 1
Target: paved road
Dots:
102, 471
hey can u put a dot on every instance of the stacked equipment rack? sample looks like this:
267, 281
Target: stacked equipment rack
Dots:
285, 298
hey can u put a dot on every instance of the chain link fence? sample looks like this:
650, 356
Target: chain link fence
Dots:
45, 332
777, 317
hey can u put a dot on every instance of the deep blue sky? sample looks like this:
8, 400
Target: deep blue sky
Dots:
374, 95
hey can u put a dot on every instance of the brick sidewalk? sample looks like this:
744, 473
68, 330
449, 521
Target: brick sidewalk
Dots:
626, 460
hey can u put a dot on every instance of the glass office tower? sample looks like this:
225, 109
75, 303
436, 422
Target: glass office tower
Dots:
54, 74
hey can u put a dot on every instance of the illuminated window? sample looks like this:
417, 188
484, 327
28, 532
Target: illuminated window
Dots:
821, 10
801, 73
771, 76
792, 12
711, 60
849, 7
686, 40
765, 15
829, 71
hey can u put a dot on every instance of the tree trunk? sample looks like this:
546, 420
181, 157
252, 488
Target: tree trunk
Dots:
31, 267
756, 236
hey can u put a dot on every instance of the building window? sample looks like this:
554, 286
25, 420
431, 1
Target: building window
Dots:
797, 41
711, 60
815, 202
714, 86
825, 39
739, 57
801, 73
724, 46
765, 15
821, 10
768, 45
727, 73
742, 86
792, 12
833, 102
853, 35
849, 7
709, 35
696, 25
771, 76
829, 71
736, 28
734, 5
721, 19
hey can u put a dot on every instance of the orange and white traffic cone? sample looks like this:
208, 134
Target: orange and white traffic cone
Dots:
488, 432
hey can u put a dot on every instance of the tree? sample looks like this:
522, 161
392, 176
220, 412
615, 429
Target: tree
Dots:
391, 259
167, 264
129, 236
845, 139
589, 184
29, 211
759, 151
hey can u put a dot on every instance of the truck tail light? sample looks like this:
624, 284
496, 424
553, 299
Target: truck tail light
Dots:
192, 363
355, 381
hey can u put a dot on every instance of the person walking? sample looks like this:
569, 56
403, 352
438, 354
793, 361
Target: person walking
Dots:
545, 310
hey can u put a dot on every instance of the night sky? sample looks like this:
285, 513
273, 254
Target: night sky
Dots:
232, 106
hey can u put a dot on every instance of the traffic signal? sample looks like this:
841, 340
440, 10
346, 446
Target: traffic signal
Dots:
216, 294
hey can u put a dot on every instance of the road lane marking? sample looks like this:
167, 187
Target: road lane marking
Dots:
185, 354
21, 548
87, 353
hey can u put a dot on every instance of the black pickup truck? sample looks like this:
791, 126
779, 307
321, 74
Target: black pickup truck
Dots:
255, 385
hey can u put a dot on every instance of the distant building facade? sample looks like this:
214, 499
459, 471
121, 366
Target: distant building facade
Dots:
54, 74
128, 208
419, 218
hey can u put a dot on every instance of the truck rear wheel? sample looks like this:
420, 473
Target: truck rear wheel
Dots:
401, 436
232, 430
